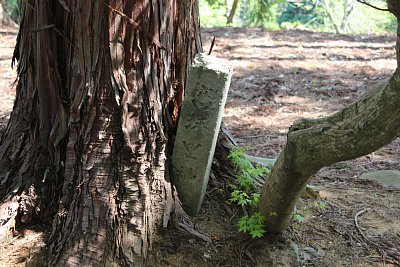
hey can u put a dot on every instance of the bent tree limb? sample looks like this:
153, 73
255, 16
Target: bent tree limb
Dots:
359, 129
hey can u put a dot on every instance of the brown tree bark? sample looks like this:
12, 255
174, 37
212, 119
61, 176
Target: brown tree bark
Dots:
359, 129
86, 149
232, 12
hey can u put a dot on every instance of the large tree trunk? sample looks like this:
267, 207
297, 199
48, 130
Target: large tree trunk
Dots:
359, 129
85, 151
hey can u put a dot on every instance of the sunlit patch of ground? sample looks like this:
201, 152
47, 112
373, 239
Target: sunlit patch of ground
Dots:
19, 248
7, 75
280, 77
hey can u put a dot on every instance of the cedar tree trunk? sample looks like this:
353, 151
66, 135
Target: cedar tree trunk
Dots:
359, 129
97, 98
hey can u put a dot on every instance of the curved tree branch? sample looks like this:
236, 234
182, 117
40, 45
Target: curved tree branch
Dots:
375, 7
359, 129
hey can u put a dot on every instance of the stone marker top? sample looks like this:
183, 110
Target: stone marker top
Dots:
212, 63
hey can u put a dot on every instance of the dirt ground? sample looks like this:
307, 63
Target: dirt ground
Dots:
7, 74
279, 77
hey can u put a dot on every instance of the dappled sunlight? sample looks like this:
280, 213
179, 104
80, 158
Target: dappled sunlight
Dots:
7, 74
280, 77
287, 109
265, 126
19, 248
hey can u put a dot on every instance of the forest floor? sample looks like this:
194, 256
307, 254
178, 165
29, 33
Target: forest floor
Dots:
279, 77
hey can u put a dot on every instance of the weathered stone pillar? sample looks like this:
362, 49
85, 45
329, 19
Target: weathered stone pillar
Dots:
199, 123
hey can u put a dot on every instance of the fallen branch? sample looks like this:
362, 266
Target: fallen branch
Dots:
358, 214
195, 233
385, 251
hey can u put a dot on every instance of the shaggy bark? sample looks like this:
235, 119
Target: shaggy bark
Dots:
85, 151
359, 129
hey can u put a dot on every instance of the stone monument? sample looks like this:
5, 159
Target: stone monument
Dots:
199, 124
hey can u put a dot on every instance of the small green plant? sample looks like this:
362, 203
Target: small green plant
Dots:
252, 225
244, 199
318, 206
244, 192
298, 218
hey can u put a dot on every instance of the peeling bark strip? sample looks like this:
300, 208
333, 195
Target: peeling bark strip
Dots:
87, 143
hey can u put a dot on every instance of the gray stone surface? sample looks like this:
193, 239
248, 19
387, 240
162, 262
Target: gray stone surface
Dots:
390, 178
266, 162
199, 123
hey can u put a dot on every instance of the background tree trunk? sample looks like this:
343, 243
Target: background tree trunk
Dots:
348, 8
232, 12
98, 95
5, 19
329, 13
359, 129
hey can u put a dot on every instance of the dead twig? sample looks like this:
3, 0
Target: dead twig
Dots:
358, 214
248, 253
195, 233
212, 46
233, 215
243, 248
384, 252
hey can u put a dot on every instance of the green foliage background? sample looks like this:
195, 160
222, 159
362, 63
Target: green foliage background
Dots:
12, 7
286, 14
298, 14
